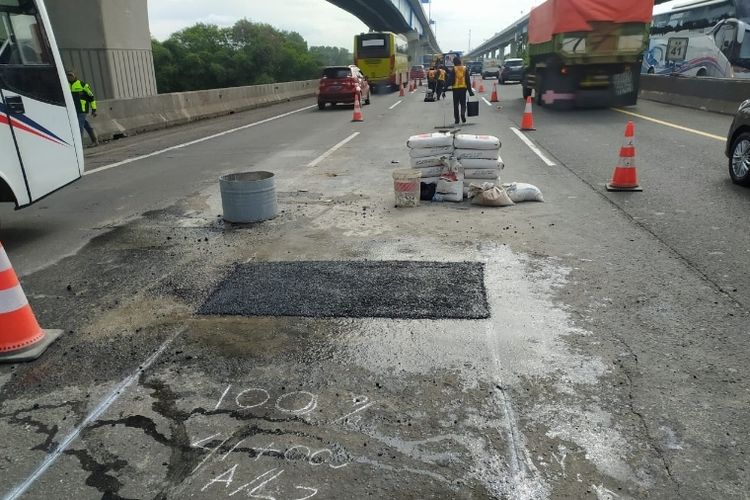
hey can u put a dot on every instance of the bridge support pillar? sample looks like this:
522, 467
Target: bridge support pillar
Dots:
107, 44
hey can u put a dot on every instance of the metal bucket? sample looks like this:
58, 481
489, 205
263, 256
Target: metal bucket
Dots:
248, 196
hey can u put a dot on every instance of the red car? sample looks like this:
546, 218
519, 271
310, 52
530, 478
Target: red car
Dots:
339, 84
417, 73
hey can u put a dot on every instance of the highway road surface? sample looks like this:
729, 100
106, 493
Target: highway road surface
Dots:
591, 346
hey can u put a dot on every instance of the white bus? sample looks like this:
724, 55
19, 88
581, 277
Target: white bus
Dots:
701, 38
40, 143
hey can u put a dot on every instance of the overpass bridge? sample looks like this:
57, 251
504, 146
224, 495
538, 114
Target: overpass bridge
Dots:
109, 43
509, 38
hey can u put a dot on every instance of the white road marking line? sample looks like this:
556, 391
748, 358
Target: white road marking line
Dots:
95, 414
197, 141
673, 125
328, 153
533, 147
397, 103
488, 102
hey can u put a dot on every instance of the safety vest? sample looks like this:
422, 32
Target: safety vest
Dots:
431, 74
441, 76
83, 97
459, 78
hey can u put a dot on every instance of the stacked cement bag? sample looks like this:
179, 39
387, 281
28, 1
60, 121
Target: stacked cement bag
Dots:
479, 156
429, 153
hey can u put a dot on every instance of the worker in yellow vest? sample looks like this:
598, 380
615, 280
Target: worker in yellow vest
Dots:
461, 85
431, 80
84, 102
441, 77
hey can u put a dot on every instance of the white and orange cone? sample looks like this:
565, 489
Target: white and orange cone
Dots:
357, 117
481, 86
527, 123
625, 176
401, 90
493, 97
21, 337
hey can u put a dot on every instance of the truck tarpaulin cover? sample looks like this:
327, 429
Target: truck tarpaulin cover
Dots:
565, 16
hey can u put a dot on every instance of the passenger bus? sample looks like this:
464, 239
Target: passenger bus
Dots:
382, 57
701, 38
39, 134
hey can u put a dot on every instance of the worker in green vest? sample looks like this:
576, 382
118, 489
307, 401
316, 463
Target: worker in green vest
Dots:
83, 100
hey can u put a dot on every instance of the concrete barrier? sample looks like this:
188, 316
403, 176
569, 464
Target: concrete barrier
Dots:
123, 117
709, 94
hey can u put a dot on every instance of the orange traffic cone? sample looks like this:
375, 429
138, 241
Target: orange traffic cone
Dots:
401, 90
357, 110
625, 176
527, 123
21, 337
481, 87
474, 83
493, 97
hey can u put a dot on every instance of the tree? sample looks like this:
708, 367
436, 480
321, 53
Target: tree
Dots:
205, 56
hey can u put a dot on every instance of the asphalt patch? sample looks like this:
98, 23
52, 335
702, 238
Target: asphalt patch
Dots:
352, 289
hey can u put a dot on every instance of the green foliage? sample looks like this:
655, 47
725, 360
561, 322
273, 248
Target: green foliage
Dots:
205, 56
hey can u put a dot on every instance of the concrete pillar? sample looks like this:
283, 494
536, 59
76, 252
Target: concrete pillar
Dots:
107, 43
514, 48
416, 48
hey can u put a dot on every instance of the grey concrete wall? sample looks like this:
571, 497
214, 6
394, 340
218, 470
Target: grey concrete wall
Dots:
107, 43
709, 94
123, 117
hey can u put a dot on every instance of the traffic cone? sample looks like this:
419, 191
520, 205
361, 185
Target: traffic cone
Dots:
357, 110
401, 90
481, 87
21, 337
493, 97
474, 83
625, 176
527, 123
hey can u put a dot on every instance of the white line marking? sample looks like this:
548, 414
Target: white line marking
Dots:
197, 141
488, 102
328, 153
673, 125
533, 147
362, 408
100, 408
397, 103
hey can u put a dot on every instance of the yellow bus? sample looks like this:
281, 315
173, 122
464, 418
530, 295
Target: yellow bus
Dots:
382, 57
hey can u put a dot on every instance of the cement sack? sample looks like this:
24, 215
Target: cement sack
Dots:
489, 195
479, 154
482, 173
430, 172
429, 161
484, 164
519, 192
434, 140
436, 151
470, 141
451, 188
454, 197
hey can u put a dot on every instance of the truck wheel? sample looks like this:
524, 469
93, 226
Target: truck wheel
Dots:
539, 89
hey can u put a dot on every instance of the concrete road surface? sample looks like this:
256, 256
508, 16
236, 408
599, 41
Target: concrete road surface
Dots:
613, 364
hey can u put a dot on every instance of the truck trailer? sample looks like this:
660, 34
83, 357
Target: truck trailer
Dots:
586, 53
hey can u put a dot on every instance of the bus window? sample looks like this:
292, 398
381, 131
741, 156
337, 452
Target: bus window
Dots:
373, 47
29, 40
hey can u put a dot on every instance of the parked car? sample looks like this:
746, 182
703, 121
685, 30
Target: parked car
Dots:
738, 146
417, 73
511, 71
340, 84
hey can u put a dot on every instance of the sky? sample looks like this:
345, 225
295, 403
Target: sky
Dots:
322, 23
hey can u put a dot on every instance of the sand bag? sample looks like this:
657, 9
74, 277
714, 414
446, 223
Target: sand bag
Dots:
428, 161
482, 173
436, 151
469, 141
489, 195
479, 154
434, 140
519, 192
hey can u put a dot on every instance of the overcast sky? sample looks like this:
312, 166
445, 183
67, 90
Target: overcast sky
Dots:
321, 23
